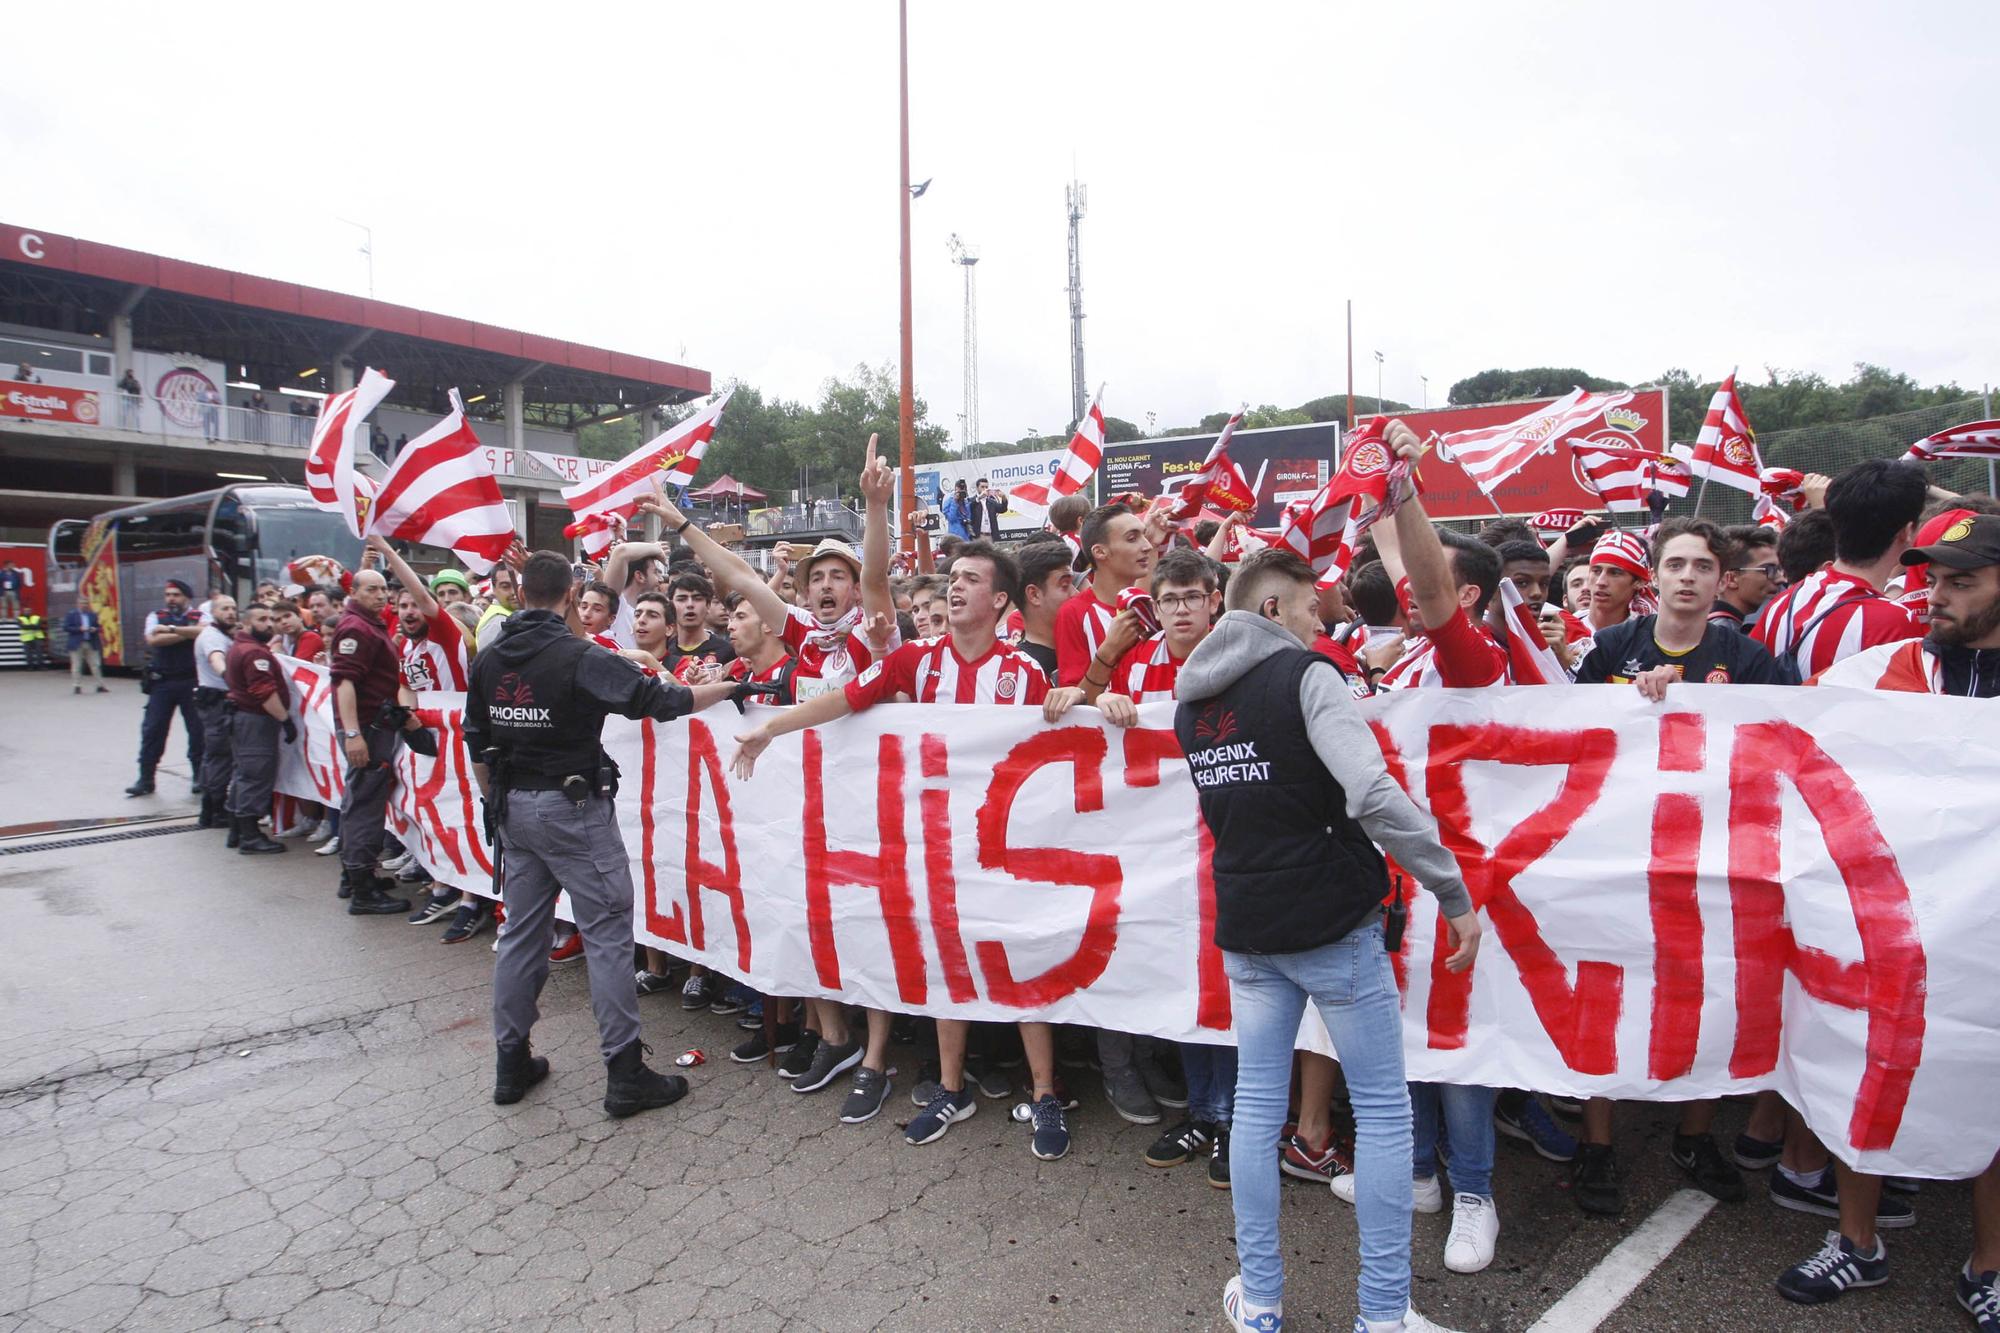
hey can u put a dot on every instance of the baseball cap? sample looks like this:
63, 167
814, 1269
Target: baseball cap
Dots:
830, 547
453, 577
1971, 541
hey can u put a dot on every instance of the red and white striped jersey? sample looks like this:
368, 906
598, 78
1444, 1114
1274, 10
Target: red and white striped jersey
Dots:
1897, 665
1147, 671
1828, 616
605, 641
932, 672
437, 661
1458, 654
739, 669
829, 656
1081, 625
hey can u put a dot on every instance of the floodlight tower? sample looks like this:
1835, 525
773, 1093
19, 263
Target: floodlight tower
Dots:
1079, 394
965, 257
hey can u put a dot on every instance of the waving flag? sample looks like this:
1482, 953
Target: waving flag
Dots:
1623, 477
441, 491
1086, 451
672, 458
1530, 660
1371, 481
331, 477
1219, 482
1491, 454
1726, 449
1975, 439
1780, 494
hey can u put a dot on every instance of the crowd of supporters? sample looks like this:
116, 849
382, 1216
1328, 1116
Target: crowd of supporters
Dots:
1882, 582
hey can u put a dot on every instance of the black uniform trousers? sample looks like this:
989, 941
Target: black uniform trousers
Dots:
170, 695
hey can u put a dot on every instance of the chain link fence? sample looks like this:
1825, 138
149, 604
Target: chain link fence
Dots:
1835, 446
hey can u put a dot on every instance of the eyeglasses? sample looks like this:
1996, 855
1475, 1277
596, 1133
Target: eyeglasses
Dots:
1769, 571
1175, 601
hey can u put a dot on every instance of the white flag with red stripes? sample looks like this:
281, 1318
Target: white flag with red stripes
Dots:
331, 477
1726, 449
1491, 454
1219, 482
1086, 451
441, 491
1975, 439
672, 458
1623, 477
1530, 660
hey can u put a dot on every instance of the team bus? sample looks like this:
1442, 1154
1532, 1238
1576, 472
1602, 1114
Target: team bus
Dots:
230, 539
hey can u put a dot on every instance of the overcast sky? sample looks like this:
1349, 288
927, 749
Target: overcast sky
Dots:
1624, 188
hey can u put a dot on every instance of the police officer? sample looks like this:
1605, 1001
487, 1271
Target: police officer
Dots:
259, 712
34, 640
363, 665
533, 717
218, 715
170, 634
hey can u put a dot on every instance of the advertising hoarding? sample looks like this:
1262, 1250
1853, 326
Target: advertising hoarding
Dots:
935, 481
1282, 463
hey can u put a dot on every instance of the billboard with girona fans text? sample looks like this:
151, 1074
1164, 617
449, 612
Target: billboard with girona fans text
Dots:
1552, 480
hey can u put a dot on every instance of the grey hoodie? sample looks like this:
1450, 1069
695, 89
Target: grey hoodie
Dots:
1343, 742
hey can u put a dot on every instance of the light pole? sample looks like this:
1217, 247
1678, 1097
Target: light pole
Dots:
1427, 391
1378, 384
367, 248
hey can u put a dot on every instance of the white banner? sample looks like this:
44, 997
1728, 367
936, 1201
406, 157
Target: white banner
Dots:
1745, 888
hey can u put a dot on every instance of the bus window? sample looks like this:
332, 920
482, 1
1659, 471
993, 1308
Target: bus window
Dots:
286, 533
234, 542
168, 534
66, 542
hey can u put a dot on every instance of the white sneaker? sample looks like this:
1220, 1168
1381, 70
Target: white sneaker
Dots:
1426, 1196
320, 831
396, 864
1246, 1318
329, 847
1412, 1323
1475, 1225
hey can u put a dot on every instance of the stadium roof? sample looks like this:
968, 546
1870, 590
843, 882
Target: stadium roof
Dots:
277, 330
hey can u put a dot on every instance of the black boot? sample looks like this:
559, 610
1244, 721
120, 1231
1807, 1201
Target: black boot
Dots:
517, 1070
235, 829
630, 1087
207, 818
368, 896
143, 787
250, 839
346, 882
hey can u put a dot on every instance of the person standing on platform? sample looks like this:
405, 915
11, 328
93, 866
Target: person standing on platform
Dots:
170, 635
260, 712
218, 715
533, 719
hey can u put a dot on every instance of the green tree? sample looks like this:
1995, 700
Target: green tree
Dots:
1499, 386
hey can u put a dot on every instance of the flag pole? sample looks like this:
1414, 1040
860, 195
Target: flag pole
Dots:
906, 412
1702, 494
1350, 363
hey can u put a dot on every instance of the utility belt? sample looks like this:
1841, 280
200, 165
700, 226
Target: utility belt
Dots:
598, 782
205, 695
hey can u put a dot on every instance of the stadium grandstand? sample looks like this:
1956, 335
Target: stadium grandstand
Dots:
127, 376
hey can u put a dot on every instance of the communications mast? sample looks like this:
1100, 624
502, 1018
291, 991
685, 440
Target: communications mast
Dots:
965, 257
1079, 395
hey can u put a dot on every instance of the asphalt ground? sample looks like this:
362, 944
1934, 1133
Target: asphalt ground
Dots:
223, 1102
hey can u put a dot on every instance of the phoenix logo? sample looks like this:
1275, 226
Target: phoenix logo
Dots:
1215, 725
513, 690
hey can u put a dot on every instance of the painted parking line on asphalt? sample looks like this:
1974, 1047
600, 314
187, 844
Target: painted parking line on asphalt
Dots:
1619, 1273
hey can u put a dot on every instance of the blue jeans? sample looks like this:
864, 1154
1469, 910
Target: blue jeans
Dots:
1467, 1116
1350, 981
1211, 1080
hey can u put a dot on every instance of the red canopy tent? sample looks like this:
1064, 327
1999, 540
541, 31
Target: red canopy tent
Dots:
727, 487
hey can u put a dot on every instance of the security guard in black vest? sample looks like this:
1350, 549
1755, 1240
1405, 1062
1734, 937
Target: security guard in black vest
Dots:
170, 635
533, 716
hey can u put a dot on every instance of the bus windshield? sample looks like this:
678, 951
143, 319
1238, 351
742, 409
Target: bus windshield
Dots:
285, 534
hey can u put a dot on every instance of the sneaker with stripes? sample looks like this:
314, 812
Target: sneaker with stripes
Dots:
1837, 1269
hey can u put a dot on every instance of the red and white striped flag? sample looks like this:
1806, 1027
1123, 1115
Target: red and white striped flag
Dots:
1975, 439
1086, 451
1726, 448
1623, 477
441, 491
1219, 482
331, 477
673, 458
1491, 454
1780, 494
1530, 660
1325, 529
